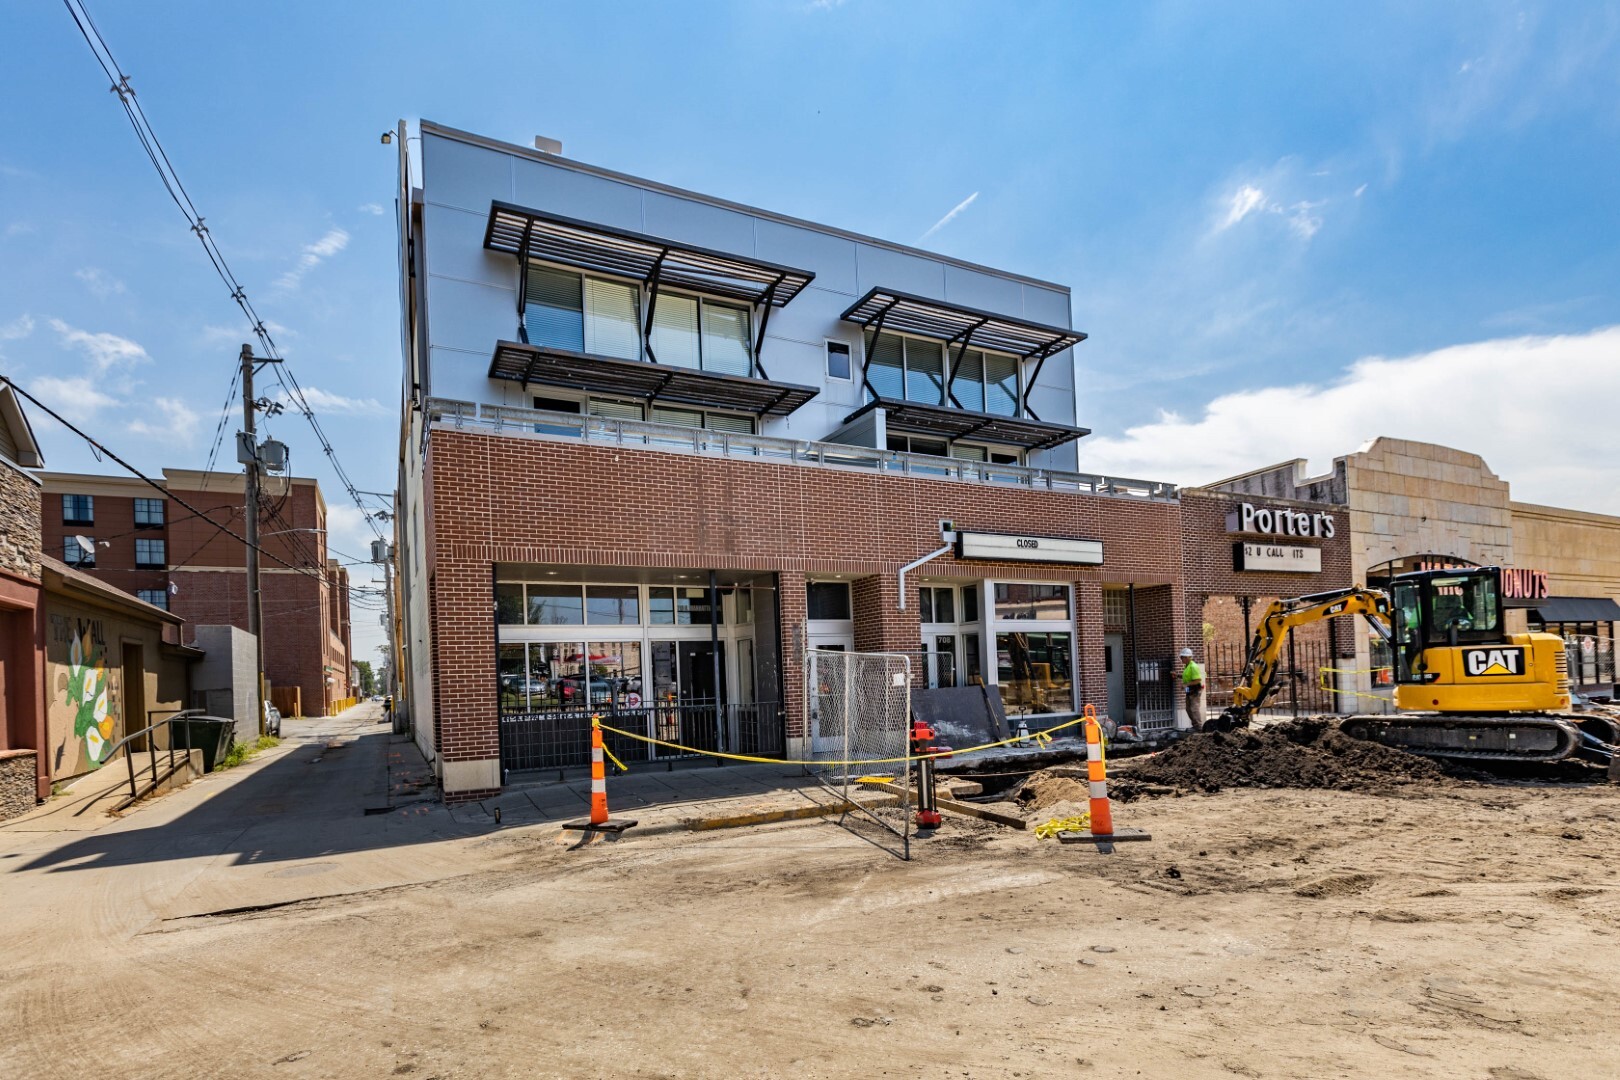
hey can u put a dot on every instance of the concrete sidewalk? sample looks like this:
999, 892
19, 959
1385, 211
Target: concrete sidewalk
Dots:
670, 794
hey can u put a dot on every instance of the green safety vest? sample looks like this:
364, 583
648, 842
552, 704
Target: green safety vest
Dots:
1192, 673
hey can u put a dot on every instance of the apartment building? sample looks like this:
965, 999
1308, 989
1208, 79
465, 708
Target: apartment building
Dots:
140, 540
661, 450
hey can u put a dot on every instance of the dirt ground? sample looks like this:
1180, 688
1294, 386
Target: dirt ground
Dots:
1467, 933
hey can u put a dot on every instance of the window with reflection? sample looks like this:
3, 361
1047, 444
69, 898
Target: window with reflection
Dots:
612, 605
509, 604
555, 605
828, 599
1035, 672
1018, 600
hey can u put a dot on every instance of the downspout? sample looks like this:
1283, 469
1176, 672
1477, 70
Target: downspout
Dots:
910, 566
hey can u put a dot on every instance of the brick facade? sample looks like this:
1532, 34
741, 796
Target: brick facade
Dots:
303, 594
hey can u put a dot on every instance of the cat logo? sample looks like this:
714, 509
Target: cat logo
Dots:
1481, 662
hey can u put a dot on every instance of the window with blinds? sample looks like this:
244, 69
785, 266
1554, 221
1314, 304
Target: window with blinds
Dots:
554, 309
697, 418
615, 410
675, 331
725, 340
969, 453
612, 314
968, 385
1001, 384
925, 371
887, 370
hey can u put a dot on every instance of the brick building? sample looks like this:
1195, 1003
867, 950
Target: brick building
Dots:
151, 546
661, 449
1413, 505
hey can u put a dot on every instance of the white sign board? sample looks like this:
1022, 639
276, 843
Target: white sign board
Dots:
1047, 549
1254, 555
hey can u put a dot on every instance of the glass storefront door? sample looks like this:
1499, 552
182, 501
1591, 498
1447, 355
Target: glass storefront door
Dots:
942, 660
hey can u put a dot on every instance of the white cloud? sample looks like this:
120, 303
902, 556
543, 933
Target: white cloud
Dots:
100, 282
312, 256
324, 401
105, 351
948, 218
174, 422
1245, 201
1303, 219
17, 328
1360, 191
75, 398
372, 208
1525, 404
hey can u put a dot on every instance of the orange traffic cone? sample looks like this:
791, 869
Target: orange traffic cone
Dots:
1102, 832
599, 820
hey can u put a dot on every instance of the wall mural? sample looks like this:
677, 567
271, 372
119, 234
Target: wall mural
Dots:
86, 686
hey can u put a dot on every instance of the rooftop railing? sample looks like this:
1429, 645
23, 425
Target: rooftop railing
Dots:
640, 434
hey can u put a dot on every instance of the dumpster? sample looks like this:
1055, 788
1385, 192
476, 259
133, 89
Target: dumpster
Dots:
212, 736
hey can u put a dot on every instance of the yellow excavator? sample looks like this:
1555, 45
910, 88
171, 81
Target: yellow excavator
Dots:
1464, 686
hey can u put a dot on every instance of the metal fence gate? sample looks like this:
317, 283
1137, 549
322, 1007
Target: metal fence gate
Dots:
1304, 683
859, 710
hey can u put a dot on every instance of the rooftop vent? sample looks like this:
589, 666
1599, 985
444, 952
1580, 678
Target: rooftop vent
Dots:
550, 146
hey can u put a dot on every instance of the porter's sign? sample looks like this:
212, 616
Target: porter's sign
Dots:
1251, 555
1279, 521
1009, 548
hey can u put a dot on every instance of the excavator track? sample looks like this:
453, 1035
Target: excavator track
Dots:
1484, 737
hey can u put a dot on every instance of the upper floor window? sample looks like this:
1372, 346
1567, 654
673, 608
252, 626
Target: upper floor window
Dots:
77, 552
910, 369
987, 382
78, 510
695, 332
149, 554
580, 314
155, 597
148, 511
700, 418
837, 360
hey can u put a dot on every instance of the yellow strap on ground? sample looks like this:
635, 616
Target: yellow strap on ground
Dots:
1048, 829
818, 761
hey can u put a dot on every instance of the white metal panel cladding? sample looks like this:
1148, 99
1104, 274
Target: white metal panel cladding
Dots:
1014, 548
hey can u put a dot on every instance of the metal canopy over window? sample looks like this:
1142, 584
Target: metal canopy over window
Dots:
535, 365
946, 423
524, 232
1577, 609
962, 329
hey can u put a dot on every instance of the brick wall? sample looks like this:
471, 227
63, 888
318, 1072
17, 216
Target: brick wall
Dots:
19, 523
499, 500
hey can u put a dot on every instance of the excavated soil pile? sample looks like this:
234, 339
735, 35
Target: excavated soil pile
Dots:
1307, 753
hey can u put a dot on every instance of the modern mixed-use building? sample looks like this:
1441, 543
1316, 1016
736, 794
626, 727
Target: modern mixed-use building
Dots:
659, 448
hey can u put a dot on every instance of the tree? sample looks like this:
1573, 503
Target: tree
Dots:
368, 679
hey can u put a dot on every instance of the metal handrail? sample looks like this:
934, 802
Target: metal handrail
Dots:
516, 421
183, 714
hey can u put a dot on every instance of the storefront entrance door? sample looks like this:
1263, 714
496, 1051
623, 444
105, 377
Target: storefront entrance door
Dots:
825, 678
941, 650
1114, 667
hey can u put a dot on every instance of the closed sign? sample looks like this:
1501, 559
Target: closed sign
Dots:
1495, 661
1011, 548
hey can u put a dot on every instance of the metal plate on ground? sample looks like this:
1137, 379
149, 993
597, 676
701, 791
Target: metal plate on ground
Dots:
1119, 836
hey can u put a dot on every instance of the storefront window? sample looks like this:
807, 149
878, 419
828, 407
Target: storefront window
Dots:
555, 605
678, 607
1035, 672
509, 605
615, 605
828, 600
512, 673
972, 665
1017, 601
937, 605
970, 604
611, 676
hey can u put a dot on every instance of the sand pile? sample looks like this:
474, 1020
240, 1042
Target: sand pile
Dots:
1306, 753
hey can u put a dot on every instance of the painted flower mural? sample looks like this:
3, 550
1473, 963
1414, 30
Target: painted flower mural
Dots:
87, 695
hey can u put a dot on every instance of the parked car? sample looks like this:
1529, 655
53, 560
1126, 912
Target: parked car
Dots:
272, 720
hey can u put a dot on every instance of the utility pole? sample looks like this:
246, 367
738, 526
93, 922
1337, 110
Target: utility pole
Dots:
247, 452
383, 552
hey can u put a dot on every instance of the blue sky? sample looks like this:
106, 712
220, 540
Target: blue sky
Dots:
1251, 201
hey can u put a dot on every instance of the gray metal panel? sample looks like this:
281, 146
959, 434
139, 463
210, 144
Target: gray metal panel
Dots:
831, 257
577, 195
987, 292
698, 223
464, 376
469, 316
1047, 306
454, 247
456, 174
893, 270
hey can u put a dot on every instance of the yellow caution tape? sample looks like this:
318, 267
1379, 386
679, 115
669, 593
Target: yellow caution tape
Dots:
817, 761
615, 760
1048, 829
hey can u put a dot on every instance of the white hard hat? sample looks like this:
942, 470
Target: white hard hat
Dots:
1187, 653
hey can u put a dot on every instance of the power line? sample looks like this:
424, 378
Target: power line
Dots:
182, 200
153, 484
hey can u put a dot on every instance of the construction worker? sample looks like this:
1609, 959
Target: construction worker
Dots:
1192, 681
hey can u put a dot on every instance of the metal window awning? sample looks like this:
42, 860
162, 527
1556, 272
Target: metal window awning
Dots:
540, 366
911, 418
971, 328
525, 232
1577, 609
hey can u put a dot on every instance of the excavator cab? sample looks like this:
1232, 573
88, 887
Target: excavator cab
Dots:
1443, 609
